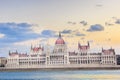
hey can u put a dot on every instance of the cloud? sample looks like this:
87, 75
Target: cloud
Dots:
96, 27
2, 35
109, 39
72, 32
91, 41
114, 18
32, 41
15, 32
66, 31
99, 5
79, 34
70, 22
37, 28
108, 24
48, 33
117, 21
84, 23
74, 23
69, 36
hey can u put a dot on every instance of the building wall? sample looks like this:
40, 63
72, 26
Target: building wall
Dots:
38, 57
118, 59
85, 59
60, 59
108, 59
3, 61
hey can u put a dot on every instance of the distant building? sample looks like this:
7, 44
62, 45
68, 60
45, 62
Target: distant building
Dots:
118, 59
3, 61
60, 56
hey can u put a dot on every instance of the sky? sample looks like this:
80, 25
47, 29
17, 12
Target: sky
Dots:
32, 22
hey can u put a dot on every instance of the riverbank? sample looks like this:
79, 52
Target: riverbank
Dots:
62, 68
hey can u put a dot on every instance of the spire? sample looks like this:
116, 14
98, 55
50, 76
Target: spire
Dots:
59, 34
40, 46
16, 51
111, 47
78, 45
9, 52
31, 46
102, 49
88, 43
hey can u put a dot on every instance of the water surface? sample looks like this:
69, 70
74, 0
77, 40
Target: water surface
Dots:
62, 75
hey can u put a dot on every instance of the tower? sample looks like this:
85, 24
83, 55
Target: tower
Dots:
60, 46
83, 49
37, 49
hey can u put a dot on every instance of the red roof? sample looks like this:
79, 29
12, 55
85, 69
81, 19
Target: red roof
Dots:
108, 51
13, 54
60, 40
83, 47
37, 49
72, 53
23, 55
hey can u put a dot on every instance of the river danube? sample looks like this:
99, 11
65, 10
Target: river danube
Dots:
62, 75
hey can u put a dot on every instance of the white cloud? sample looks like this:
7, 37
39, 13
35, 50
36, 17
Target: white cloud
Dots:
2, 35
37, 29
33, 42
96, 27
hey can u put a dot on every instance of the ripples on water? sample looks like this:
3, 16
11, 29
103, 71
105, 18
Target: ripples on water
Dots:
62, 75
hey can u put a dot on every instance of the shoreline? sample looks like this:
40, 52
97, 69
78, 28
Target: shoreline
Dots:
58, 69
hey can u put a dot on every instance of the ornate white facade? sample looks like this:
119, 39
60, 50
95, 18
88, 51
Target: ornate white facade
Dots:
60, 56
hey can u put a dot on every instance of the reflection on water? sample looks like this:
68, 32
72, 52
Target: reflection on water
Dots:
62, 75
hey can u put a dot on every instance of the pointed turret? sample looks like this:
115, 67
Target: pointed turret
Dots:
78, 45
16, 51
40, 46
9, 52
59, 34
111, 47
31, 46
88, 44
102, 49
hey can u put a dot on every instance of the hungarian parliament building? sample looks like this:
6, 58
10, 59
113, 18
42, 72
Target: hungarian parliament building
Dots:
60, 57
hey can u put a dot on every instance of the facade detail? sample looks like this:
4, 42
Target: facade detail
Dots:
3, 61
60, 56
